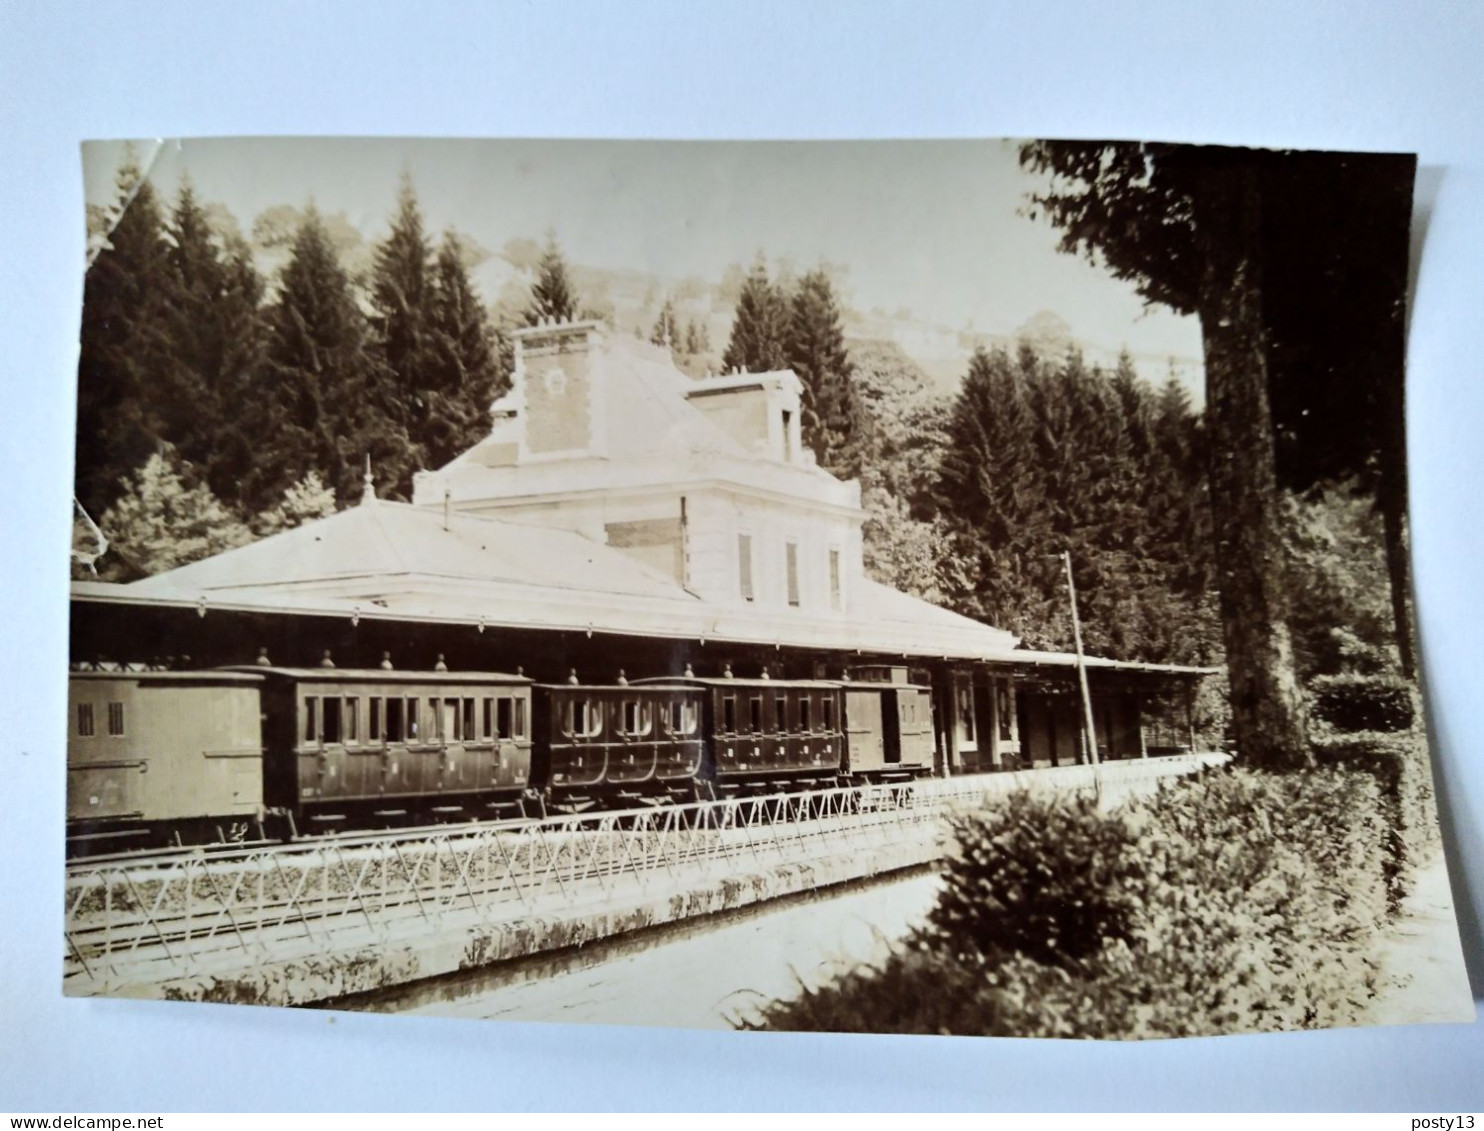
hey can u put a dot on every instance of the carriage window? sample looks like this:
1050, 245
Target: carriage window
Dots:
829, 713
835, 601
414, 724
352, 720
85, 720
682, 717
791, 562
396, 720
638, 718
755, 713
729, 714
804, 704
780, 707
487, 719
584, 719
311, 731
450, 731
373, 725
115, 720
330, 725
469, 732
520, 718
503, 717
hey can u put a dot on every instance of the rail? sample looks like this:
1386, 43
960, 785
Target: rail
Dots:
164, 915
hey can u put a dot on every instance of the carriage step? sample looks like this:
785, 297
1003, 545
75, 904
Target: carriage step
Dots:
390, 813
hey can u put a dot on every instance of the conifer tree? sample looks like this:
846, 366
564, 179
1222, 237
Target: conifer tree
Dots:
830, 413
760, 330
326, 402
697, 341
216, 338
552, 294
666, 331
401, 299
124, 342
469, 362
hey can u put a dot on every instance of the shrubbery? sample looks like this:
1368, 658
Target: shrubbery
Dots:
1358, 703
1229, 902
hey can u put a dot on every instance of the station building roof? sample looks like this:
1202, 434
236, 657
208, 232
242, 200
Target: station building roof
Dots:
395, 561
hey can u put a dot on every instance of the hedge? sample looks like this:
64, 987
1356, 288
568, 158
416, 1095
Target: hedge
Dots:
1233, 901
1358, 703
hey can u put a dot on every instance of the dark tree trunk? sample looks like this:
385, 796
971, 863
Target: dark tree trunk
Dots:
1267, 705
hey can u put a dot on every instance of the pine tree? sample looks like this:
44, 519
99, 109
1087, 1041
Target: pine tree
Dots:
697, 341
666, 332
216, 334
830, 413
326, 401
470, 362
552, 294
400, 298
124, 343
760, 330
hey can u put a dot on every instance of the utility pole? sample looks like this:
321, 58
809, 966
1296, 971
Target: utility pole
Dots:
1092, 734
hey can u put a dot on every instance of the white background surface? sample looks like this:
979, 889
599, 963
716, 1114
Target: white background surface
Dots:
1372, 76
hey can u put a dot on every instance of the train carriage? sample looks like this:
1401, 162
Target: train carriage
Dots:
152, 754
769, 732
392, 743
889, 726
625, 740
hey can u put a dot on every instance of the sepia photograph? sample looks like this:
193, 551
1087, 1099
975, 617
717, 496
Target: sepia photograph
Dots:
920, 587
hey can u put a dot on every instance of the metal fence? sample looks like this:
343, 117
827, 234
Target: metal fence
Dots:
168, 915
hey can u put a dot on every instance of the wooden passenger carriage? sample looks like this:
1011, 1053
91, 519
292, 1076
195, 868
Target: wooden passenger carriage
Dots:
763, 732
605, 742
389, 743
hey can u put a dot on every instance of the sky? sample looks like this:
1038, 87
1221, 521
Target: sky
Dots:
935, 226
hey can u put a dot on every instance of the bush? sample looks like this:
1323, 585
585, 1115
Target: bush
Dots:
1357, 703
1399, 765
1043, 878
1232, 901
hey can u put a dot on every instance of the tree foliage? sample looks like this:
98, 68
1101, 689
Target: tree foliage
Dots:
552, 294
1046, 456
161, 521
815, 348
760, 329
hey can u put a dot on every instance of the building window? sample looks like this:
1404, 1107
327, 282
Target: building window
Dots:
85, 720
788, 439
115, 720
744, 566
791, 561
836, 602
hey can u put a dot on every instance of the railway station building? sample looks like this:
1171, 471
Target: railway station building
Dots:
623, 517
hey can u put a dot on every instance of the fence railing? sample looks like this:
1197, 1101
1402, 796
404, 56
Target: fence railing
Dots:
174, 914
